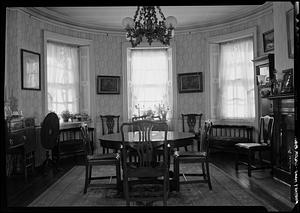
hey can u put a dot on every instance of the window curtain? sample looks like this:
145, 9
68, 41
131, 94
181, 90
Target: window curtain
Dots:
149, 82
236, 80
62, 77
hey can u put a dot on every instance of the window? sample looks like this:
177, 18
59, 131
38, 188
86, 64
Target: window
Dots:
149, 81
62, 77
236, 80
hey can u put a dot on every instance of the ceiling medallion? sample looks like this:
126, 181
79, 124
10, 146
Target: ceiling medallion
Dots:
145, 23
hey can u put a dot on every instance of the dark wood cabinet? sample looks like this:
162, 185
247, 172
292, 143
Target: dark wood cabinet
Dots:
284, 137
20, 147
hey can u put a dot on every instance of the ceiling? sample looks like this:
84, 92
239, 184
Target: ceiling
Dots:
111, 17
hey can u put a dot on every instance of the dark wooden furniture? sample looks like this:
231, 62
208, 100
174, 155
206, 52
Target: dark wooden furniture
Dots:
284, 139
176, 139
224, 137
147, 169
20, 143
265, 140
193, 122
110, 125
70, 142
92, 159
200, 157
49, 138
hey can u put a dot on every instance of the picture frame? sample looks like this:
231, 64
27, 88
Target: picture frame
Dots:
190, 82
268, 40
30, 70
290, 32
287, 85
108, 84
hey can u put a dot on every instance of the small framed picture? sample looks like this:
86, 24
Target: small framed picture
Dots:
290, 32
30, 70
190, 82
268, 41
108, 84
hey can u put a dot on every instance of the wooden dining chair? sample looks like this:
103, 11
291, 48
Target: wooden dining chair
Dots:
264, 144
110, 125
198, 158
92, 159
142, 178
193, 123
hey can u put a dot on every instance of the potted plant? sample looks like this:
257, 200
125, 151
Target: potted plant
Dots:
66, 115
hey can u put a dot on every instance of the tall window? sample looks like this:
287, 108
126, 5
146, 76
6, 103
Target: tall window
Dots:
150, 81
236, 80
62, 77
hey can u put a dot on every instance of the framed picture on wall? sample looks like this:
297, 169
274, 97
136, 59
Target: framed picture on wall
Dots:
190, 82
290, 32
268, 41
108, 84
30, 70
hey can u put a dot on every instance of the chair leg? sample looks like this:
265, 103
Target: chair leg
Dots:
237, 160
118, 175
90, 173
249, 163
176, 174
86, 183
203, 170
208, 175
125, 191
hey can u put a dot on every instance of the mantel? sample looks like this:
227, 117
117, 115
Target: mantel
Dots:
283, 96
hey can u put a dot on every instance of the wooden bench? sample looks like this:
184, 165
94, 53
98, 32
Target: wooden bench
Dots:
224, 137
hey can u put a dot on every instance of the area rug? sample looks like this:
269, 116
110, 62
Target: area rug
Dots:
68, 191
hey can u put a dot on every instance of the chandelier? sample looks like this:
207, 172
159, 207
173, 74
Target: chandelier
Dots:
145, 23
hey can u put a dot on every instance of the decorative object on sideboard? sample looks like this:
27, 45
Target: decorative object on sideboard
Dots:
66, 115
190, 82
290, 32
146, 23
30, 70
268, 40
287, 82
108, 84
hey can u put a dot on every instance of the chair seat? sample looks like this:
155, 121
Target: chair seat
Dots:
108, 156
252, 145
190, 154
225, 140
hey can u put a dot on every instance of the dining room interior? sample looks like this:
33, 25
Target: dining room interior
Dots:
171, 105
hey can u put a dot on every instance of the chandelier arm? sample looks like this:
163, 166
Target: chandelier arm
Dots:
161, 14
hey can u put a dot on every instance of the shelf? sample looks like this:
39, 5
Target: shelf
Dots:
283, 96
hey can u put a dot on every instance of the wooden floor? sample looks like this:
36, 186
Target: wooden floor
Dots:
261, 183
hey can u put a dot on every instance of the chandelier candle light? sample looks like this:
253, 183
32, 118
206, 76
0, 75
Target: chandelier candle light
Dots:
146, 24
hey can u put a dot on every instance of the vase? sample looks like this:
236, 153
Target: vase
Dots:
164, 117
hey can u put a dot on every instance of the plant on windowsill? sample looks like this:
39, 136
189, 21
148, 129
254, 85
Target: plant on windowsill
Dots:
162, 111
66, 115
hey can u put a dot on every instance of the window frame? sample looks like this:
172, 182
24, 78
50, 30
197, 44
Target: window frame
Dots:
212, 61
126, 48
55, 37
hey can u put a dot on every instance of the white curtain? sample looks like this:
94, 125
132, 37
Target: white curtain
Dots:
236, 80
149, 81
62, 77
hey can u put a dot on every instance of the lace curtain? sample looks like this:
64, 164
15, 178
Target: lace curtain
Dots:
149, 82
62, 77
236, 80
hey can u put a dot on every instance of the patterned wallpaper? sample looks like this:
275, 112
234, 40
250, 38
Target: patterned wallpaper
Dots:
24, 31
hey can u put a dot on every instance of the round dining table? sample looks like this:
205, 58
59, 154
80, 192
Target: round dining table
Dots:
176, 139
